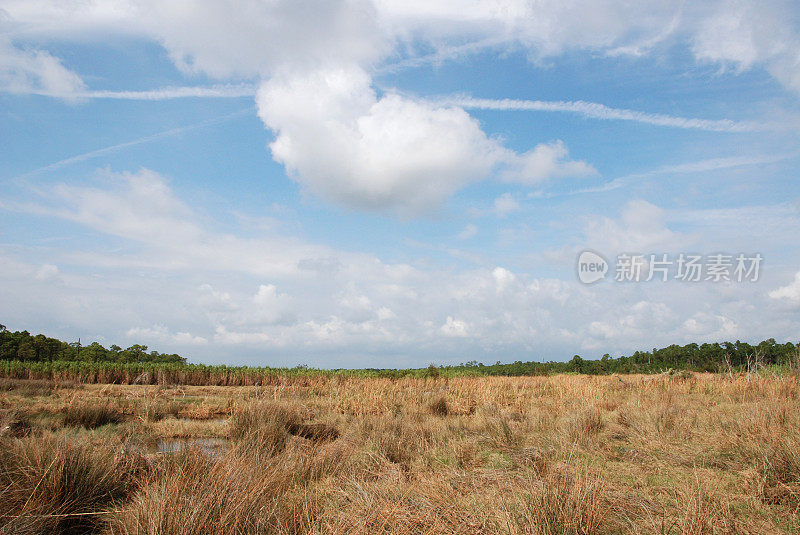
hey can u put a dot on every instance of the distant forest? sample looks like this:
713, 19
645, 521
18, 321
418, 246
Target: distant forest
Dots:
24, 347
714, 357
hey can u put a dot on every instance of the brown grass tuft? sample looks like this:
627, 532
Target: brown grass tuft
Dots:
564, 503
53, 485
91, 415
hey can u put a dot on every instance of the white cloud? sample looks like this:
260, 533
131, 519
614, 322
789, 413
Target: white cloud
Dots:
271, 306
544, 161
257, 38
454, 328
747, 33
47, 272
505, 204
641, 228
165, 93
160, 333
713, 326
213, 300
142, 207
503, 279
342, 142
29, 70
226, 337
790, 292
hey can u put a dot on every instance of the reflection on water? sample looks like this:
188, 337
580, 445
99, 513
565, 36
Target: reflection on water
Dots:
211, 446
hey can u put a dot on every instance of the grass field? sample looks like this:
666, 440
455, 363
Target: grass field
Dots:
565, 454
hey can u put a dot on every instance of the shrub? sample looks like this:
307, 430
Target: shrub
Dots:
439, 407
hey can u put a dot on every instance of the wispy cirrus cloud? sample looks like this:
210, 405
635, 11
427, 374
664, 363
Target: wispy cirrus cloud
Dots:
140, 141
701, 166
594, 110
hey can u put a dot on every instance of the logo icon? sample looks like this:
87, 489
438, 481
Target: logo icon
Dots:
592, 267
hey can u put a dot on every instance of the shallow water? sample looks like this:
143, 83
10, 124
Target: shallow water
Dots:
211, 446
203, 420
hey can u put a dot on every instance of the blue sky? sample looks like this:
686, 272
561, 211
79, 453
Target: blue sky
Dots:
377, 183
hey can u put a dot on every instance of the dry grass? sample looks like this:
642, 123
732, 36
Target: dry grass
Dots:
91, 415
53, 485
564, 502
567, 454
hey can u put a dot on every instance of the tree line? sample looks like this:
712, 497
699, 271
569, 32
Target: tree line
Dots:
24, 347
708, 357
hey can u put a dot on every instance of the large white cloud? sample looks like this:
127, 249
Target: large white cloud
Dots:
258, 37
343, 142
748, 33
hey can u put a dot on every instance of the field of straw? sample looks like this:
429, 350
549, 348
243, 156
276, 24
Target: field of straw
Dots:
545, 455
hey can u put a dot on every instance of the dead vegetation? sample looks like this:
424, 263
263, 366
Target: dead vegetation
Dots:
542, 455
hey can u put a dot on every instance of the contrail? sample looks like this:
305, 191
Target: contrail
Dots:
600, 111
711, 164
166, 93
592, 110
147, 139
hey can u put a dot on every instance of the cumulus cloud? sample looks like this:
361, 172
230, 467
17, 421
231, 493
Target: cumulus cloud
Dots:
30, 70
271, 306
547, 160
454, 328
641, 228
160, 333
258, 38
749, 33
790, 292
342, 142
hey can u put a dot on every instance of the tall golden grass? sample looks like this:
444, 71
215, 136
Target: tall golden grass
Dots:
687, 454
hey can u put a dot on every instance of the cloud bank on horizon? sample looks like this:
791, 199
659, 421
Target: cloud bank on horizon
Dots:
423, 179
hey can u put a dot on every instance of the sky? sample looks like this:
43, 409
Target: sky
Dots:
384, 183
